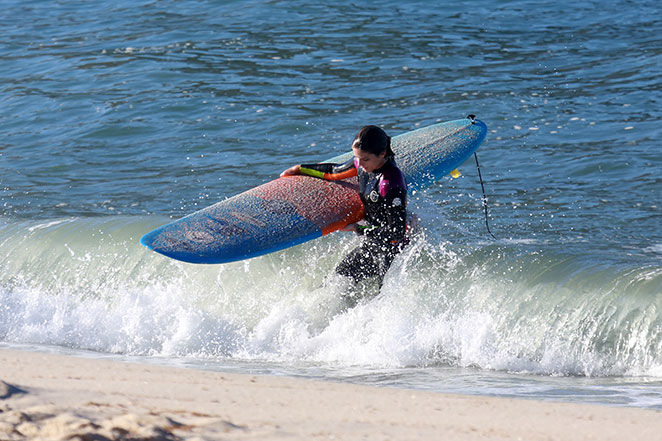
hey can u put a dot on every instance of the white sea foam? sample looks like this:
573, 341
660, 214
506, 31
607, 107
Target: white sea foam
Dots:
490, 307
656, 248
49, 224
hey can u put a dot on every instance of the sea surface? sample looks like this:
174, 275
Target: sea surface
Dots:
117, 117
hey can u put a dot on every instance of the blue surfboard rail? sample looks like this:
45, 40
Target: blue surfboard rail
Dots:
293, 210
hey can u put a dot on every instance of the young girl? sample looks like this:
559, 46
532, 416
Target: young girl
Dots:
383, 191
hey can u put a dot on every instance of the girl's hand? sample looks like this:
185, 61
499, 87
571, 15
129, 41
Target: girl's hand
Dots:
292, 171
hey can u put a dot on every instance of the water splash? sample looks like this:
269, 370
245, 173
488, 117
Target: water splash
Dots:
85, 283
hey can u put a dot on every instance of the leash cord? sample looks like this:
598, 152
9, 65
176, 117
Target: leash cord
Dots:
482, 186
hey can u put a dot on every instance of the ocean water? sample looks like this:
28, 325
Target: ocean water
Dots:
116, 117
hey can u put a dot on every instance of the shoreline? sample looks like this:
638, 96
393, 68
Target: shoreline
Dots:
58, 397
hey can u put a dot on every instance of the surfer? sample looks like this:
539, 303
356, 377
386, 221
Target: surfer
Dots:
383, 191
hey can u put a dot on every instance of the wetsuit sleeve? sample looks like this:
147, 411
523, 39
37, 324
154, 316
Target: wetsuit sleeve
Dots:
395, 227
329, 171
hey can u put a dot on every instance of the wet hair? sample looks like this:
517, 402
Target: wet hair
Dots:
373, 139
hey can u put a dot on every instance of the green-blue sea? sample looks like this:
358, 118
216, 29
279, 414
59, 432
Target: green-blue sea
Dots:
117, 117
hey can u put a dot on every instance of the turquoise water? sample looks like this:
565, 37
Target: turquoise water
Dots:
118, 118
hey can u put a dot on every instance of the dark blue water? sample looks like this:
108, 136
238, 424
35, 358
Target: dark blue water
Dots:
116, 117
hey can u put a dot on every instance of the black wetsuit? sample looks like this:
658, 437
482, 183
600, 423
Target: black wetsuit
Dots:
384, 196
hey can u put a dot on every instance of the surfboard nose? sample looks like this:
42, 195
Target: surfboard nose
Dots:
148, 239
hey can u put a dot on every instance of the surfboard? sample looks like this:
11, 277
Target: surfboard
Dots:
295, 209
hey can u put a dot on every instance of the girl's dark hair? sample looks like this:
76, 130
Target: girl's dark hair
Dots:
373, 139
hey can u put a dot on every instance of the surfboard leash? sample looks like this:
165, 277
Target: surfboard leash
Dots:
482, 186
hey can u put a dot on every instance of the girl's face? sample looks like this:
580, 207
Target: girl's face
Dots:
369, 161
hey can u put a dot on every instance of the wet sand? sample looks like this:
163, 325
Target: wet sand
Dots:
56, 397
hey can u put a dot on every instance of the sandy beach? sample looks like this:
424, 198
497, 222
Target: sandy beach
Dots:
55, 397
